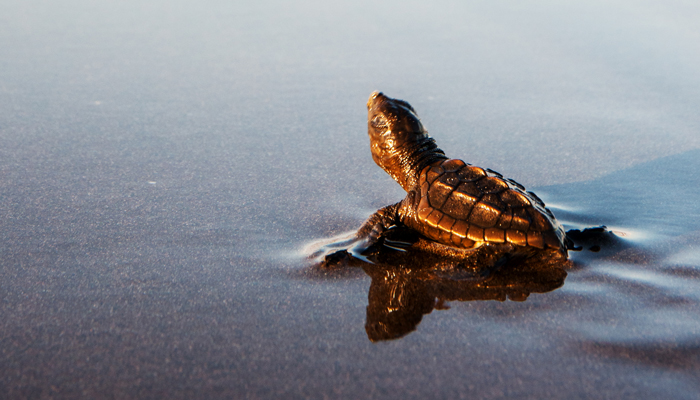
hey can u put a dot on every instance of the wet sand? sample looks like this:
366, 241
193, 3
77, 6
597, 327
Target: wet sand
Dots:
163, 166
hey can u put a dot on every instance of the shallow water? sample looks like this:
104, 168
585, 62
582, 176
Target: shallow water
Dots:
163, 166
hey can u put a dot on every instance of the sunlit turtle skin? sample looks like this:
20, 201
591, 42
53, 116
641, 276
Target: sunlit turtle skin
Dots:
450, 202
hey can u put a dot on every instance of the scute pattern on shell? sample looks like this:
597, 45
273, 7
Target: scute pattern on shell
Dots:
463, 205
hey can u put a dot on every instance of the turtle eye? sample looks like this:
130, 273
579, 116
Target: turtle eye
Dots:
379, 122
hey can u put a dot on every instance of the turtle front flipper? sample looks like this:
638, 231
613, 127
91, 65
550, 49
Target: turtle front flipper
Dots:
379, 228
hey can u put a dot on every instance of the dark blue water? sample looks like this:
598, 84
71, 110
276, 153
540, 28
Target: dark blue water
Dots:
163, 167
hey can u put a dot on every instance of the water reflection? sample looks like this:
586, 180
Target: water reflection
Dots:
407, 285
411, 282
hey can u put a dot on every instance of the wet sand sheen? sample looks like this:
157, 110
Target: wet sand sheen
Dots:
162, 169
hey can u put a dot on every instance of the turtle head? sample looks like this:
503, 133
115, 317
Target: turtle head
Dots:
396, 137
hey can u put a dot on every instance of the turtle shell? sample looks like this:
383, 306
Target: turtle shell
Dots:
464, 206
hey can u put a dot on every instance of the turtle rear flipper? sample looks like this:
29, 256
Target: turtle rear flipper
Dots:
592, 239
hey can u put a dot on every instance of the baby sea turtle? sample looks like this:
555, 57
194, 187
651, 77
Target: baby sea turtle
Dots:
456, 206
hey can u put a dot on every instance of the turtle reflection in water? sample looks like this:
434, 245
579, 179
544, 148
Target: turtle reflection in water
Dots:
402, 292
452, 208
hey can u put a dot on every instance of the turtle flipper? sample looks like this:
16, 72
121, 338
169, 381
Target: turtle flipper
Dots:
399, 237
592, 239
367, 238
